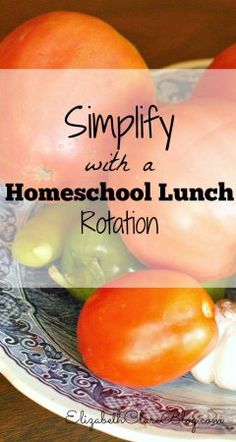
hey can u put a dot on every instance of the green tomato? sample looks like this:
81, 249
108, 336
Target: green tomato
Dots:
41, 239
216, 289
92, 259
216, 293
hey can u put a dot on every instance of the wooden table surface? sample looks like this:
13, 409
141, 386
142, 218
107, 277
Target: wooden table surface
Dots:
165, 31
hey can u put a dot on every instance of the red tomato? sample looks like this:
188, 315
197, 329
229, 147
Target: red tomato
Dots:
225, 59
60, 40
195, 237
219, 80
66, 39
142, 337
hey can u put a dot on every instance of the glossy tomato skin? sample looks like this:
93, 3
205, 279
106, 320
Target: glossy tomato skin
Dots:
195, 237
140, 337
66, 39
219, 80
225, 59
62, 40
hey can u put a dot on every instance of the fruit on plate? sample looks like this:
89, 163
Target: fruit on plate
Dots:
66, 39
220, 365
196, 237
41, 239
216, 289
45, 89
219, 79
142, 337
225, 59
91, 259
216, 293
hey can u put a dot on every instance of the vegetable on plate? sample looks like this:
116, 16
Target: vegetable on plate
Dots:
141, 337
216, 289
41, 239
219, 79
90, 259
197, 237
51, 52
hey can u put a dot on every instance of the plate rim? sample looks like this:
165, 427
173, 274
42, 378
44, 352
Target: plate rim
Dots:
27, 385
